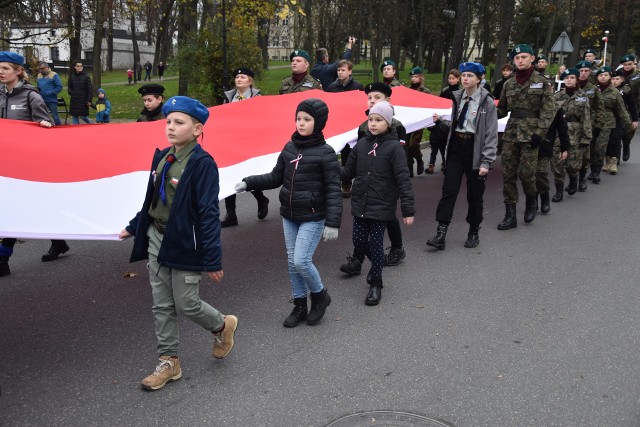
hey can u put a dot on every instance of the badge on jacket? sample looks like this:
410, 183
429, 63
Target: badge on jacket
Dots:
536, 85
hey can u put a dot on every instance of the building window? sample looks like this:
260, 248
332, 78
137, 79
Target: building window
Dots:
285, 22
53, 33
285, 42
88, 56
54, 53
276, 41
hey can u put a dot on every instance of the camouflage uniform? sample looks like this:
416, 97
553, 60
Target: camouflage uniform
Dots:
614, 108
578, 116
289, 86
532, 109
414, 140
633, 82
395, 82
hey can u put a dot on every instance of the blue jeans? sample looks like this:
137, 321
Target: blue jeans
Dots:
301, 239
75, 121
53, 109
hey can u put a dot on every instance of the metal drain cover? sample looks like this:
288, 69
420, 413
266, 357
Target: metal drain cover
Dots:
386, 418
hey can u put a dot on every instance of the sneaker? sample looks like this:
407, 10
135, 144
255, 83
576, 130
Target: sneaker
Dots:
223, 341
167, 370
352, 267
394, 257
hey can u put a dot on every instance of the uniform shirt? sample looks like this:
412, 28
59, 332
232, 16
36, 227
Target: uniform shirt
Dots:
161, 211
469, 125
308, 83
578, 115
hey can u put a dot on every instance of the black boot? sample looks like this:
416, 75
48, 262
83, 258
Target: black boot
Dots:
626, 150
530, 209
438, 241
353, 266
510, 220
420, 166
319, 303
230, 219
375, 292
596, 174
573, 185
4, 266
473, 239
58, 247
298, 314
559, 192
545, 206
582, 184
263, 207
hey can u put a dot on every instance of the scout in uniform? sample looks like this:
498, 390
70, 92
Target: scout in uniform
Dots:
417, 83
152, 96
388, 69
299, 80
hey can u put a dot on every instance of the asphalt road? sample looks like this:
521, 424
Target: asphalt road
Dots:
538, 326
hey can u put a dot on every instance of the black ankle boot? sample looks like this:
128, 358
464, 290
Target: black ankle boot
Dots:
473, 239
4, 266
626, 151
582, 184
596, 174
375, 292
229, 220
263, 207
420, 166
353, 266
58, 247
530, 209
559, 192
510, 220
319, 303
438, 241
573, 185
545, 206
298, 314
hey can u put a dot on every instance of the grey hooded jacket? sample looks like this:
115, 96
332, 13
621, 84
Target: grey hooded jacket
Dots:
23, 103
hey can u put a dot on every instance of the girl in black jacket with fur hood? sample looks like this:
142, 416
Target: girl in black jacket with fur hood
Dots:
310, 205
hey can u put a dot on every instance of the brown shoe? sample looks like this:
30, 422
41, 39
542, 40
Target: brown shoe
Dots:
431, 168
223, 341
167, 370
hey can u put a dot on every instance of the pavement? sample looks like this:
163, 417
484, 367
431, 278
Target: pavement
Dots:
538, 326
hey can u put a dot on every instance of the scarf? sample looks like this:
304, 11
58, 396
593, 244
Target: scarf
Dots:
297, 78
415, 86
582, 83
571, 90
316, 138
523, 75
387, 81
604, 86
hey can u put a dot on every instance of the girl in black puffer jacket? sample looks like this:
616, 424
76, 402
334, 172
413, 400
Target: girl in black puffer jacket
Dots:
310, 205
379, 166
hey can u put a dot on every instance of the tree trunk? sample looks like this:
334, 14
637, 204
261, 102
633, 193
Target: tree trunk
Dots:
136, 51
310, 35
161, 34
98, 35
547, 39
263, 41
458, 37
110, 41
75, 21
187, 18
506, 20
579, 18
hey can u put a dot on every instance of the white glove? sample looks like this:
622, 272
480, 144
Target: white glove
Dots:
329, 233
240, 187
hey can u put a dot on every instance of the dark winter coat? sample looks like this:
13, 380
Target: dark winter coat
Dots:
81, 92
337, 86
378, 167
448, 91
327, 73
310, 186
192, 238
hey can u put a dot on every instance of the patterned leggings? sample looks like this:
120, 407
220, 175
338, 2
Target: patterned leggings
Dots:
368, 240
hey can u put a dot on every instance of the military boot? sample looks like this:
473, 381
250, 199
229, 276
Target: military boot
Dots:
607, 162
319, 303
596, 175
263, 207
545, 206
582, 183
613, 166
420, 166
626, 150
473, 239
559, 192
230, 219
438, 240
573, 185
510, 220
530, 209
4, 266
298, 314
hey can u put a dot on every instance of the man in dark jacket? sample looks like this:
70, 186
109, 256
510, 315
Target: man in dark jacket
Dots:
345, 82
81, 92
323, 71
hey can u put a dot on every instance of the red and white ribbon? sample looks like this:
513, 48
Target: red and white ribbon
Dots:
296, 161
373, 152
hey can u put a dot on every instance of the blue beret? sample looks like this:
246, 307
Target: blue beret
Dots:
186, 105
472, 67
12, 57
387, 62
583, 64
627, 58
301, 53
416, 70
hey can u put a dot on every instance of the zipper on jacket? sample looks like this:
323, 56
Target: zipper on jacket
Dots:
293, 175
195, 244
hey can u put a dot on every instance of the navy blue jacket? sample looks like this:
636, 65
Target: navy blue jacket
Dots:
327, 73
192, 239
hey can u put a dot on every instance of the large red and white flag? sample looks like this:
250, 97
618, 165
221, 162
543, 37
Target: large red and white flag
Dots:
88, 181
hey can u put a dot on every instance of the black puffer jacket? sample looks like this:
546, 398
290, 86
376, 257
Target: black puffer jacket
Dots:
81, 92
379, 178
310, 186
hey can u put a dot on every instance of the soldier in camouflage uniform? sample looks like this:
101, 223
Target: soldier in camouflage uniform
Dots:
614, 112
590, 55
577, 113
529, 99
597, 114
413, 149
621, 135
299, 80
632, 79
542, 68
388, 69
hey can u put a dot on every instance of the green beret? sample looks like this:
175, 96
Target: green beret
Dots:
542, 57
521, 48
301, 53
583, 64
416, 70
388, 62
588, 51
628, 57
605, 69
570, 72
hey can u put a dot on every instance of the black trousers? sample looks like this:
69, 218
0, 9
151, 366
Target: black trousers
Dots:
615, 142
459, 163
230, 201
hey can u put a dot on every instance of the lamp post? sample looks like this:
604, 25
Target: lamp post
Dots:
606, 40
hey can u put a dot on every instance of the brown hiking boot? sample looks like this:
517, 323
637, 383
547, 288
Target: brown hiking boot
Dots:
605, 165
167, 370
223, 341
613, 165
